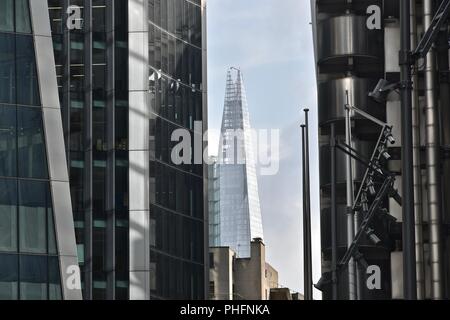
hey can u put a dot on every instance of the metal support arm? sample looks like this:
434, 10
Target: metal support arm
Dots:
431, 35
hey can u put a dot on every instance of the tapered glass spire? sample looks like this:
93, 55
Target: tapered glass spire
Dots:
240, 213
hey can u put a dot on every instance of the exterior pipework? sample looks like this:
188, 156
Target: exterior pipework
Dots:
334, 236
433, 167
350, 216
418, 210
408, 225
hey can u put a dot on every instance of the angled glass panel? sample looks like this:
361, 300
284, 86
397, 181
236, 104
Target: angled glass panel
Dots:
51, 229
7, 15
33, 208
8, 215
9, 277
8, 141
54, 281
7, 67
23, 22
32, 156
27, 83
33, 277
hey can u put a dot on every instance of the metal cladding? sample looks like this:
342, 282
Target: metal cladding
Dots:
349, 63
352, 56
346, 35
333, 92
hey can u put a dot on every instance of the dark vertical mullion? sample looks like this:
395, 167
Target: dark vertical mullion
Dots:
88, 155
110, 161
65, 107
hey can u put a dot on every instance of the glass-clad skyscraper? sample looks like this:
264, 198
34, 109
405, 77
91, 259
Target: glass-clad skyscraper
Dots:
128, 73
129, 77
37, 240
240, 213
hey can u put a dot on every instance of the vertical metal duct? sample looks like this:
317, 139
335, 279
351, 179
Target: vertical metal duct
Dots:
433, 168
418, 211
352, 282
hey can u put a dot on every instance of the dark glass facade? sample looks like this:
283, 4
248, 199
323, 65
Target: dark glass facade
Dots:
92, 75
177, 213
29, 265
93, 79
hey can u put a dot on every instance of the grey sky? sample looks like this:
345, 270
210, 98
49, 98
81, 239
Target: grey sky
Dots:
271, 41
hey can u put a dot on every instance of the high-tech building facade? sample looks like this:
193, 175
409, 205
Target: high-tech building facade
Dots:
240, 214
352, 54
38, 257
128, 74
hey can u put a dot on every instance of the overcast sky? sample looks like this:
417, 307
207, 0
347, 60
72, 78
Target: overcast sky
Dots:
271, 41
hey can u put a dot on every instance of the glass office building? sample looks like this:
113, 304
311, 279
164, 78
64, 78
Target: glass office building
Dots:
240, 215
127, 74
127, 79
37, 240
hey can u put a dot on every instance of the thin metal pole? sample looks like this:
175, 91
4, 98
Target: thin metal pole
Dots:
409, 254
350, 196
334, 247
307, 214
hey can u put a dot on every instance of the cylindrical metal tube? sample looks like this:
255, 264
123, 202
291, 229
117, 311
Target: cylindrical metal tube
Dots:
350, 217
418, 210
433, 166
334, 246
409, 253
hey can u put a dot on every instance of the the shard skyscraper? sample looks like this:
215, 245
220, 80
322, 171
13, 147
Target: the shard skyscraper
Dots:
240, 213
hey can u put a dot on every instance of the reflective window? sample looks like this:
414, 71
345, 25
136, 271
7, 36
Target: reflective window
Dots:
34, 207
7, 68
22, 16
33, 277
8, 141
31, 146
7, 15
27, 84
18, 77
8, 215
9, 277
54, 280
23, 23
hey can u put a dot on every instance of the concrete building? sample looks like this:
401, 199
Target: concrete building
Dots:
284, 294
234, 278
109, 82
353, 51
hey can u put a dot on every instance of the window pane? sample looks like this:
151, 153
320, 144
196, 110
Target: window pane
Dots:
51, 229
33, 278
22, 16
8, 142
33, 205
32, 159
8, 277
27, 84
8, 215
6, 15
7, 67
54, 281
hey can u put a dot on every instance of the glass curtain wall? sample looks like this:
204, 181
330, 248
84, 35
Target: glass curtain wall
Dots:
93, 89
176, 192
29, 267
